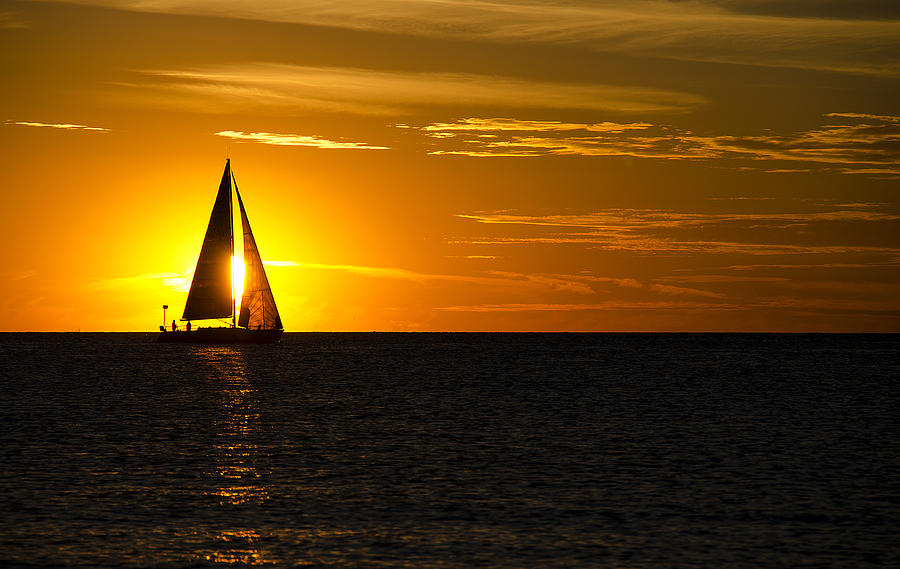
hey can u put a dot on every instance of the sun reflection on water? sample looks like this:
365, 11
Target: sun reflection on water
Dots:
237, 547
235, 470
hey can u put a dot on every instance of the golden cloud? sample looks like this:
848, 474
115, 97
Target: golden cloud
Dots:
367, 91
62, 126
869, 145
295, 140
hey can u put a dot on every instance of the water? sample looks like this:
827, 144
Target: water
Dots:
451, 451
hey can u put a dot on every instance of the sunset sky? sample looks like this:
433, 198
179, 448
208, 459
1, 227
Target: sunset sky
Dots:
573, 165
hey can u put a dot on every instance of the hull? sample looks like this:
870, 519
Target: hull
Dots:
220, 336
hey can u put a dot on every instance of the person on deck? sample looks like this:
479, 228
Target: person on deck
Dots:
189, 326
173, 325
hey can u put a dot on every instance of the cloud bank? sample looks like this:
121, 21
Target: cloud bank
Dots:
809, 34
365, 91
852, 143
664, 232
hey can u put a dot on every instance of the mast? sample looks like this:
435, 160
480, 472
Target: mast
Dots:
231, 232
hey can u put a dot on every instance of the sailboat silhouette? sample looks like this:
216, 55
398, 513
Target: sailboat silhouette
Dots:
212, 291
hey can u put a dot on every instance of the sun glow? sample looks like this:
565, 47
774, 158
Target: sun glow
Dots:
237, 275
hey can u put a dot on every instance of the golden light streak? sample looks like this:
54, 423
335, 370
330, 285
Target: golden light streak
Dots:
237, 276
62, 126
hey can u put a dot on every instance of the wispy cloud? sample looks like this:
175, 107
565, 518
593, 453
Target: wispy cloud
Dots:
296, 140
481, 257
895, 262
607, 305
864, 144
366, 91
716, 279
619, 220
858, 9
654, 231
555, 282
63, 126
175, 281
505, 280
731, 32
883, 307
880, 173
509, 124
665, 246
579, 284
19, 275
780, 303
11, 20
570, 284
866, 116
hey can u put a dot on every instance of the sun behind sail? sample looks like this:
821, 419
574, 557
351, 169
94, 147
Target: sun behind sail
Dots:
210, 295
258, 310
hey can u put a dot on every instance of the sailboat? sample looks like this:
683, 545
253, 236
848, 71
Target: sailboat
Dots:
212, 295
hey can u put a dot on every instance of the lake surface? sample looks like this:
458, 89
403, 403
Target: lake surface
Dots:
451, 451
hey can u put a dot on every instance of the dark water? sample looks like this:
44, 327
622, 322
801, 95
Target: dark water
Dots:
451, 451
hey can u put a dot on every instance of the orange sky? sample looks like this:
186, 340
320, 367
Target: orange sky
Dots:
727, 165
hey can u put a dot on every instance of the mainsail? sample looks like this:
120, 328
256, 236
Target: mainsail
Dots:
211, 293
258, 310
